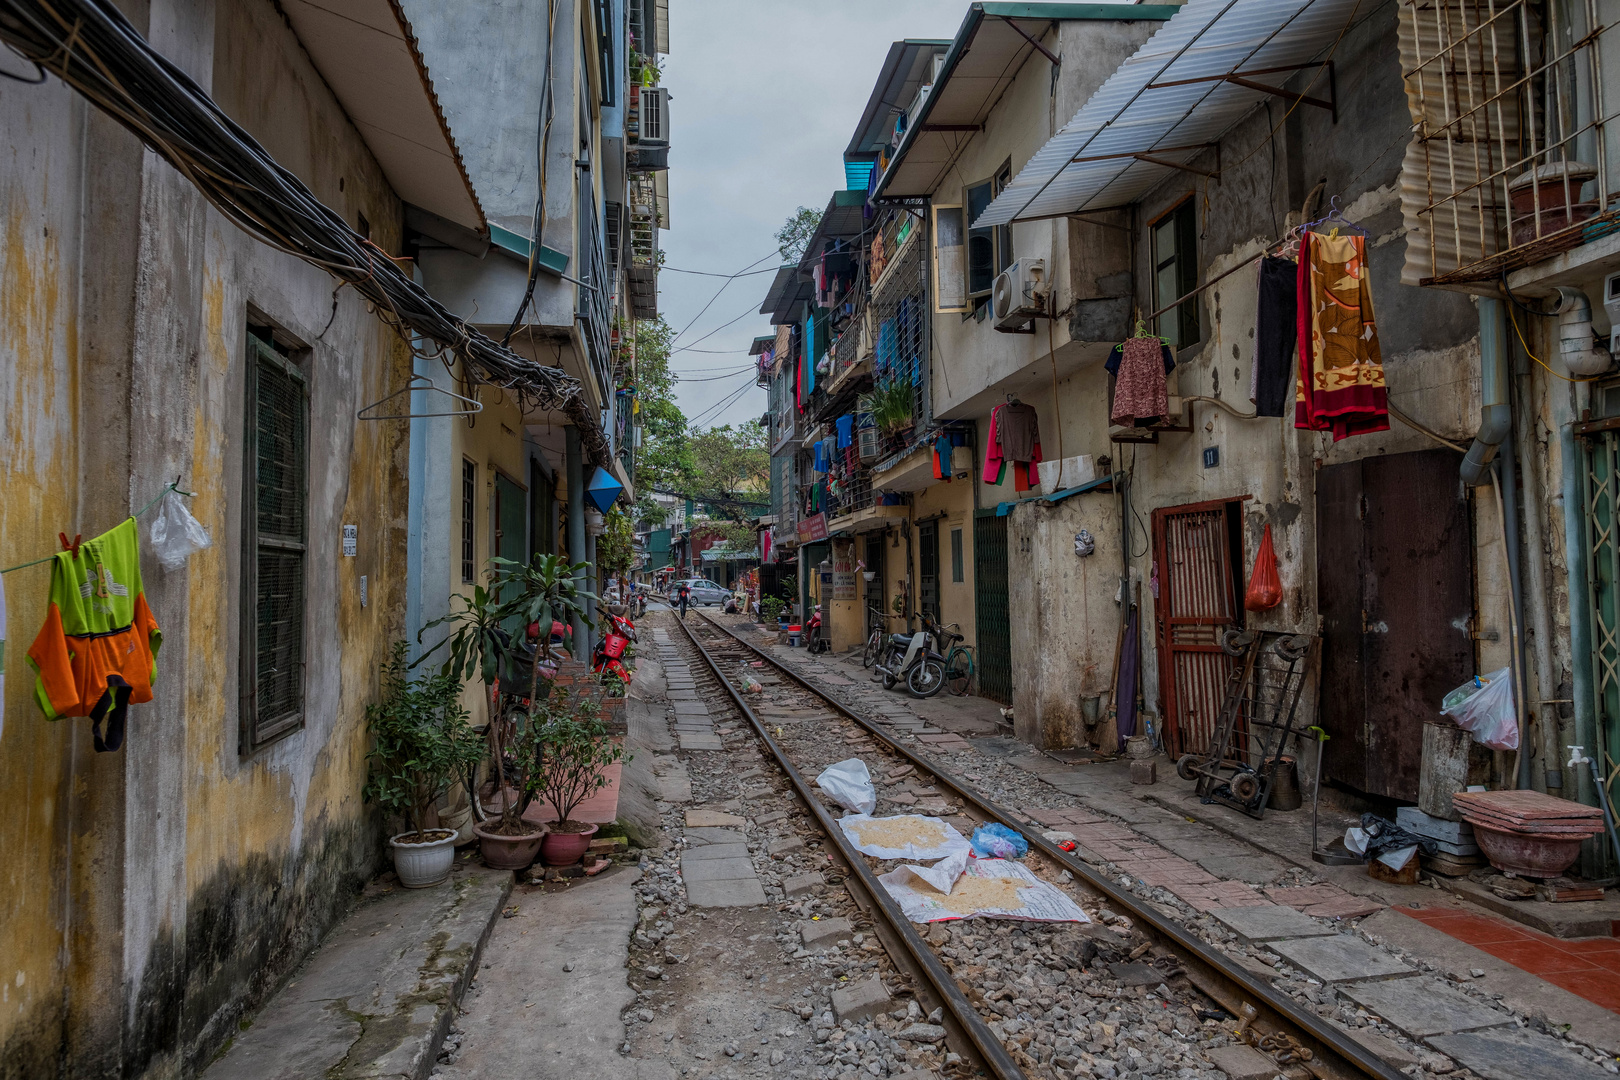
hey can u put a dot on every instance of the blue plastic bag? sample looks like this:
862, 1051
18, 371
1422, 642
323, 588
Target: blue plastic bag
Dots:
995, 841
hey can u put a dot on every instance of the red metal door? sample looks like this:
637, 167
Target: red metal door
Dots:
1193, 551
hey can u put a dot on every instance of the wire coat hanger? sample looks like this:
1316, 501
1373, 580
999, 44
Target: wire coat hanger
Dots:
420, 382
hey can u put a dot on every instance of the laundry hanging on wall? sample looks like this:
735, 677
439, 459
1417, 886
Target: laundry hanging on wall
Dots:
1276, 329
1340, 387
1139, 366
1018, 432
96, 654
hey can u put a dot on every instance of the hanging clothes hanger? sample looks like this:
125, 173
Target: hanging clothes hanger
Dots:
1336, 218
420, 382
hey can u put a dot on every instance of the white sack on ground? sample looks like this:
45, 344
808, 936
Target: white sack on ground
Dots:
850, 785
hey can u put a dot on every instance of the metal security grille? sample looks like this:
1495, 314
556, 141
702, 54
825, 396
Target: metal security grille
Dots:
899, 321
1193, 551
277, 534
992, 619
1510, 161
469, 503
1603, 584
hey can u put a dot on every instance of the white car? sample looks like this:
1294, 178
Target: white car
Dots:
700, 592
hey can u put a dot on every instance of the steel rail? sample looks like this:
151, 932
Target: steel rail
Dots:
1229, 980
978, 1032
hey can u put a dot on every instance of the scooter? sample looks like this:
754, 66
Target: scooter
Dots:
815, 642
621, 625
610, 650
915, 660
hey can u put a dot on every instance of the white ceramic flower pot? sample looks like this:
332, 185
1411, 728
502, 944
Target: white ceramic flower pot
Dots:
421, 865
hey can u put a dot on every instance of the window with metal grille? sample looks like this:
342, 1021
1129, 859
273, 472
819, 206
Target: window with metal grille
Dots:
469, 502
275, 545
1510, 161
956, 554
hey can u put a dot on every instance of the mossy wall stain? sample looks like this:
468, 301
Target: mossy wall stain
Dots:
275, 845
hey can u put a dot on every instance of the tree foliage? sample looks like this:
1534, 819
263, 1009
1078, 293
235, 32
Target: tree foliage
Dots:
794, 235
614, 548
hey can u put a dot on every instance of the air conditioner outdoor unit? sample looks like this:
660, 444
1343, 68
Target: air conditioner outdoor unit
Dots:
1019, 294
654, 125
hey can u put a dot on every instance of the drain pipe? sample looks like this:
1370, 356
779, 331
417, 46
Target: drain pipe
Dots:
1496, 436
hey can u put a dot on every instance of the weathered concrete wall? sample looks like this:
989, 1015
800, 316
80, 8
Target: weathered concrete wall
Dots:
157, 892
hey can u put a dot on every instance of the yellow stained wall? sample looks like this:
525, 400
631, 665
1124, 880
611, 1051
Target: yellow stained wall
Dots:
152, 894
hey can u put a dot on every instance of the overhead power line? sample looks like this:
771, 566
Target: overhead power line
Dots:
91, 47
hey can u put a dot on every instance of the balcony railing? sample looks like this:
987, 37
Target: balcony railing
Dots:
1510, 162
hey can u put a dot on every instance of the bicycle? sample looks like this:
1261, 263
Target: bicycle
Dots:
958, 658
878, 639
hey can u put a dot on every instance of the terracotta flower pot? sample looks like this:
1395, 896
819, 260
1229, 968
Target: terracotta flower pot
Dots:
420, 865
565, 848
509, 852
1526, 855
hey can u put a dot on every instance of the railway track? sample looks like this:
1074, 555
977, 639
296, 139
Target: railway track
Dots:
1302, 1044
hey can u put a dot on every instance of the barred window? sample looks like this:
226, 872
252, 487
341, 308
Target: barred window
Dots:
469, 502
275, 544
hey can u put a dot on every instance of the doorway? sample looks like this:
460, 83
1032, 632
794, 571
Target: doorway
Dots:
928, 569
1394, 577
991, 616
1198, 557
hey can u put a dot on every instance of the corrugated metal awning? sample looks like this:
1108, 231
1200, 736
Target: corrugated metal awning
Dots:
1173, 101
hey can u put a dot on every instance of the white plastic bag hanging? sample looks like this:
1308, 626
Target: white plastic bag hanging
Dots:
850, 785
174, 534
1484, 708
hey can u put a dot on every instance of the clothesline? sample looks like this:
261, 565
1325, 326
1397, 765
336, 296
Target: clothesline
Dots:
174, 487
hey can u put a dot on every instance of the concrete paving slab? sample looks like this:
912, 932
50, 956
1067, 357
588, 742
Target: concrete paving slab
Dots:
1424, 1007
1270, 923
699, 819
1254, 869
709, 852
703, 835
814, 932
1340, 958
701, 742
1241, 1062
700, 869
1388, 1049
1516, 1055
560, 971
772, 818
740, 892
860, 1000
376, 998
802, 884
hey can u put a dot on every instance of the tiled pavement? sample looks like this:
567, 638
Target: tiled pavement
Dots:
1587, 967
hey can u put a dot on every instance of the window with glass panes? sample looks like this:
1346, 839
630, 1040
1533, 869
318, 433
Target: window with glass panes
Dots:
1175, 273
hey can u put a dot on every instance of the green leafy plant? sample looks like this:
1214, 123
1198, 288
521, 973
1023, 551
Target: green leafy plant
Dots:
890, 406
771, 607
572, 750
421, 741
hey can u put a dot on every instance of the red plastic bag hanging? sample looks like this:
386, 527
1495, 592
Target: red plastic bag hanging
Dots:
1265, 587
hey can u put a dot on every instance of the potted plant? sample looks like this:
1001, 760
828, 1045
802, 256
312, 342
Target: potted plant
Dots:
571, 748
421, 744
891, 407
774, 608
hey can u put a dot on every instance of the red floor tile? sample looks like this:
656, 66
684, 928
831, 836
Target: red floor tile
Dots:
1538, 959
1482, 931
1608, 959
1599, 986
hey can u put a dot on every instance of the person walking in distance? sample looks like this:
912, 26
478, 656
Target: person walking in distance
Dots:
686, 596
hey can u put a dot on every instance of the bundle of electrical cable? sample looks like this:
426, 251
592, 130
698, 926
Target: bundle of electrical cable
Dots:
89, 45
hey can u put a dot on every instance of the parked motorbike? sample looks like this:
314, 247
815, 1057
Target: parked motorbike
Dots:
915, 660
609, 654
815, 641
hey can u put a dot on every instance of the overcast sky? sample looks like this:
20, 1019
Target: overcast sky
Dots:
765, 96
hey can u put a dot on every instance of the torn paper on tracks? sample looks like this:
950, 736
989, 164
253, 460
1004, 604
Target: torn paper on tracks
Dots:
904, 836
988, 888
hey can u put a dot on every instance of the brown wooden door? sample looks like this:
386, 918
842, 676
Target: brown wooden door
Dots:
1197, 552
1395, 590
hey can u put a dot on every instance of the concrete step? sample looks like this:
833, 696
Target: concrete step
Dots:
376, 998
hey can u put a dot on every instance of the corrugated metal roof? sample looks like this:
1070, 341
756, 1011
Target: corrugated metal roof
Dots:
992, 46
1137, 110
909, 65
